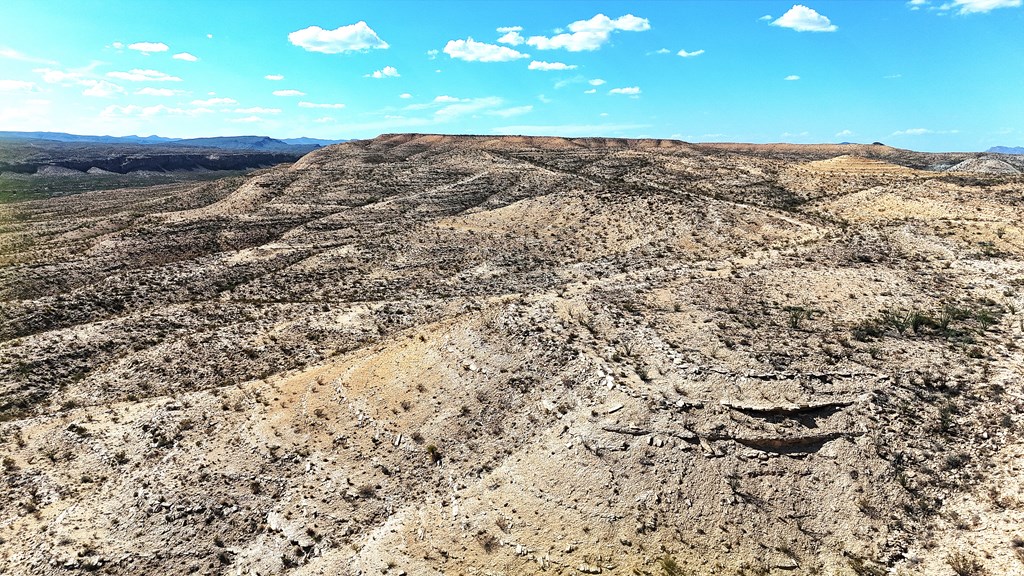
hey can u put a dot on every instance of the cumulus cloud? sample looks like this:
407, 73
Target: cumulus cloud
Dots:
288, 93
511, 35
549, 66
101, 89
137, 75
628, 90
315, 105
185, 56
791, 77
257, 110
349, 38
587, 35
804, 19
385, 72
686, 54
274, 77
149, 91
214, 102
15, 85
472, 51
148, 47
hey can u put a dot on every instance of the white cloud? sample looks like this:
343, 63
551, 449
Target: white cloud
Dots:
549, 66
586, 35
349, 38
511, 36
629, 90
591, 91
791, 77
596, 82
147, 111
314, 105
472, 51
150, 91
505, 29
137, 75
804, 19
979, 6
214, 102
257, 110
921, 132
686, 54
569, 130
405, 96
185, 56
659, 51
247, 119
386, 72
323, 120
15, 85
274, 77
445, 98
288, 93
118, 45
766, 17
12, 54
102, 89
842, 133
51, 76
514, 111
432, 54
209, 35
466, 106
148, 47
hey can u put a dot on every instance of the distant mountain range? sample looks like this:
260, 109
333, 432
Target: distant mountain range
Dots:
222, 142
1007, 149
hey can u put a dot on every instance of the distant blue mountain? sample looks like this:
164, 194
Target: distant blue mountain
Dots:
65, 137
222, 142
314, 141
1007, 149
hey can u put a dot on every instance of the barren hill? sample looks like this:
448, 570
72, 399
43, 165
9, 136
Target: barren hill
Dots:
429, 354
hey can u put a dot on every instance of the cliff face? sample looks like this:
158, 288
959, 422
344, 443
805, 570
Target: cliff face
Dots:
455, 355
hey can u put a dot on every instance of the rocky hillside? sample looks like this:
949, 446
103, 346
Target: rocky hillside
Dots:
433, 355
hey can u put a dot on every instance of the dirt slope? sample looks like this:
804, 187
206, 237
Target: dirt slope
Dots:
429, 354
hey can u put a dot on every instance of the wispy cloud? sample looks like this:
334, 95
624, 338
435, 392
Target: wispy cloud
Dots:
686, 54
596, 82
804, 19
257, 110
214, 102
472, 51
150, 91
274, 77
588, 35
922, 132
315, 105
246, 120
137, 75
12, 54
101, 89
16, 85
965, 7
288, 93
514, 111
569, 130
185, 56
843, 133
549, 66
792, 78
354, 37
147, 111
629, 90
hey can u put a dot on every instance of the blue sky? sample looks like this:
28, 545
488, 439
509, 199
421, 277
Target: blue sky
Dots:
923, 74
